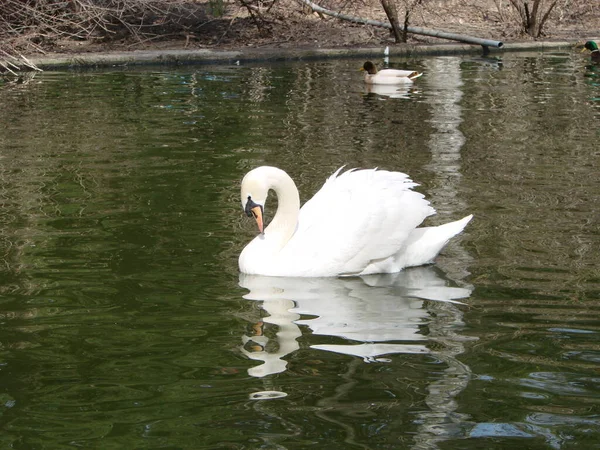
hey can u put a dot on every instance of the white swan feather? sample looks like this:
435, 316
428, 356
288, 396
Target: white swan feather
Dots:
360, 222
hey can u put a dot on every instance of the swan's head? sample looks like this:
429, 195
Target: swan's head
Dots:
255, 189
254, 193
369, 67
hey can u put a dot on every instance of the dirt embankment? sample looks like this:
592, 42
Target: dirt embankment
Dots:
273, 24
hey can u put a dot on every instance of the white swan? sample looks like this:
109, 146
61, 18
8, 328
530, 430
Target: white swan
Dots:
360, 222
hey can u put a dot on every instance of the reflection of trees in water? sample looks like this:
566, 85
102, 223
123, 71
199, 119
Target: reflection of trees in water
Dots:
112, 176
329, 122
528, 161
515, 145
528, 169
527, 148
91, 172
445, 86
47, 153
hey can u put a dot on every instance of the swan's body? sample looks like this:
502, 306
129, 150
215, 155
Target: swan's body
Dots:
360, 222
388, 76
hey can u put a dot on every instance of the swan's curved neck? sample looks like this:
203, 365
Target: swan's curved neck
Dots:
283, 225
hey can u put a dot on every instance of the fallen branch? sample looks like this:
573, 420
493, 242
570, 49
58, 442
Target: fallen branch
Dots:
413, 30
7, 68
30, 64
11, 62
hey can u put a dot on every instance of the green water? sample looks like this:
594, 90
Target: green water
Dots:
124, 322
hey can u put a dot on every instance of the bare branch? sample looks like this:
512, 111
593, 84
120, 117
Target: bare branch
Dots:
414, 30
532, 23
23, 23
545, 17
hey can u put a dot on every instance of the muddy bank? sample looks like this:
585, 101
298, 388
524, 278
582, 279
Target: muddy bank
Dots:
246, 55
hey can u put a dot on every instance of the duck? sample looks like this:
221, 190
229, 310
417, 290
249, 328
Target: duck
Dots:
593, 48
361, 222
388, 76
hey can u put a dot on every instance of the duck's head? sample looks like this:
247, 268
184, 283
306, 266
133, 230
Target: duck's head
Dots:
591, 46
369, 67
254, 193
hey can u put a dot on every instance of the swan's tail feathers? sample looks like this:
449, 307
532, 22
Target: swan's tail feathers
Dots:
424, 244
453, 228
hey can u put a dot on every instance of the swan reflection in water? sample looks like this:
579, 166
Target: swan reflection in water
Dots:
375, 312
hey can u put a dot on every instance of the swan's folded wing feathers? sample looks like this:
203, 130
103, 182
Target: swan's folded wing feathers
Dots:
327, 226
358, 216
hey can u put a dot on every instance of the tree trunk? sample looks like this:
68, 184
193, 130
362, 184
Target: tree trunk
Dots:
390, 10
533, 18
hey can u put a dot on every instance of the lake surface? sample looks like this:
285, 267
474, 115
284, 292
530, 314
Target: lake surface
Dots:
124, 322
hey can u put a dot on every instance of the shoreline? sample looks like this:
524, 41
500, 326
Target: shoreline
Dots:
248, 55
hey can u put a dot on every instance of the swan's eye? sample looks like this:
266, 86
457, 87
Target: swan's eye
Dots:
249, 206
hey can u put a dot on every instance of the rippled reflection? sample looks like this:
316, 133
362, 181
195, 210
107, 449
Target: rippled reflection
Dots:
399, 91
121, 316
370, 312
374, 317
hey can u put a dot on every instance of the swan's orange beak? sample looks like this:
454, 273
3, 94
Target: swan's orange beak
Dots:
258, 216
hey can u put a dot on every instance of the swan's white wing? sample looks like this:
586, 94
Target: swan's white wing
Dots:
357, 217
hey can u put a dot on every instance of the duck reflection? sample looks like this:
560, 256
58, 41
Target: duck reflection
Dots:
398, 91
374, 312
